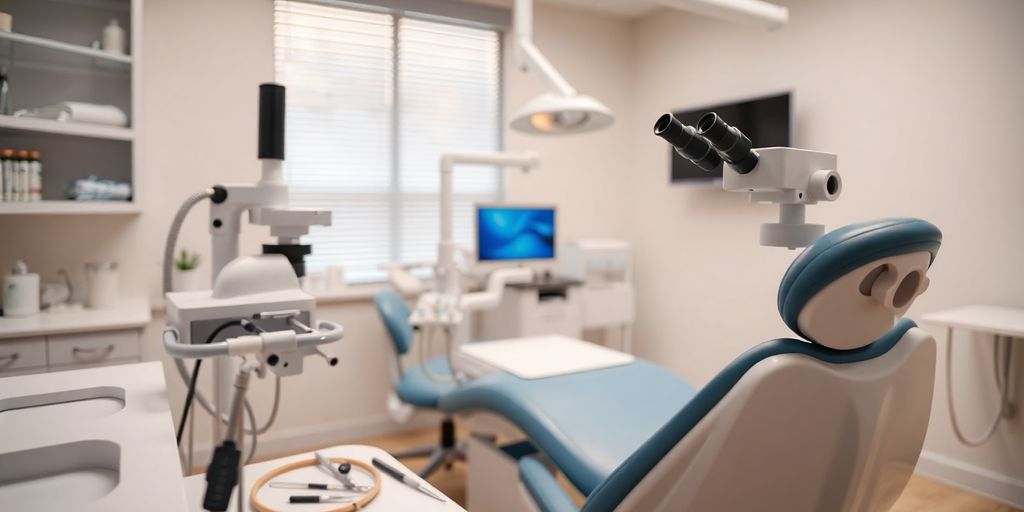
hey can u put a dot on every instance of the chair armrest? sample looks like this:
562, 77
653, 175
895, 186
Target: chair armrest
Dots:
543, 488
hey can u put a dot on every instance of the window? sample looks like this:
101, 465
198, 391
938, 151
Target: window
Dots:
374, 98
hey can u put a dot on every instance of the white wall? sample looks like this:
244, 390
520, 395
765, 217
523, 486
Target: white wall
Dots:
201, 64
922, 102
919, 99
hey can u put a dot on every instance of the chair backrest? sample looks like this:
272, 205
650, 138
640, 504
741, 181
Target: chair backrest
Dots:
835, 424
395, 315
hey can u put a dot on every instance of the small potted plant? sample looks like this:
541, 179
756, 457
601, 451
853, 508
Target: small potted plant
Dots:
186, 273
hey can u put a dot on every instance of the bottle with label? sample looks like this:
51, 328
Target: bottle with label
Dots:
22, 180
36, 176
6, 175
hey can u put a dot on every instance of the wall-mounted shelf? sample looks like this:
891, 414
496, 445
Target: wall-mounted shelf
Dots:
97, 131
69, 207
53, 44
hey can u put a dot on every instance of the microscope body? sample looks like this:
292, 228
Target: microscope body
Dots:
791, 178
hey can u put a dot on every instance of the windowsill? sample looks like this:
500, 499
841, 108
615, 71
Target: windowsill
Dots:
349, 293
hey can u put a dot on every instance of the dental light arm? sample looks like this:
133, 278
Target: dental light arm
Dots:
789, 177
528, 55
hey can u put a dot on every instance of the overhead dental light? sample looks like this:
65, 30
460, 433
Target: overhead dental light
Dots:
561, 111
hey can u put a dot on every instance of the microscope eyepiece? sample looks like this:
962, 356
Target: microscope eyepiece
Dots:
729, 141
687, 142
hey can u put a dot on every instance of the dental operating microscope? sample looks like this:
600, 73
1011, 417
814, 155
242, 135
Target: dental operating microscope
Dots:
792, 178
256, 314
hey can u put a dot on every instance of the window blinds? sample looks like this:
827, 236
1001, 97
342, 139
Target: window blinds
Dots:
374, 99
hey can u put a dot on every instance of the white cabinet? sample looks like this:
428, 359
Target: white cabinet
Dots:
49, 58
22, 355
535, 309
68, 340
67, 351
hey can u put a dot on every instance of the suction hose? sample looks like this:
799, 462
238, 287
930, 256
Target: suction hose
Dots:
1003, 383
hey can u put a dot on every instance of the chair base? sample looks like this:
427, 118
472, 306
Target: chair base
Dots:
446, 453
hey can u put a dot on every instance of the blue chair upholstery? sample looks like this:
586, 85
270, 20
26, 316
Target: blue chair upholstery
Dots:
845, 249
415, 388
586, 422
395, 315
542, 486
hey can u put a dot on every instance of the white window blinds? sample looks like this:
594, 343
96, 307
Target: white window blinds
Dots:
374, 98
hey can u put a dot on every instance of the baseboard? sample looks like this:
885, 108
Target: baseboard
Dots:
280, 442
970, 478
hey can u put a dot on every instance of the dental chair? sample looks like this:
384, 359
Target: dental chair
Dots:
833, 423
413, 387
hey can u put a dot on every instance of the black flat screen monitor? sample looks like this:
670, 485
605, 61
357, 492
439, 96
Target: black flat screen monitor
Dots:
765, 120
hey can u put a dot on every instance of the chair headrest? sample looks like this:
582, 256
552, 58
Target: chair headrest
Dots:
851, 285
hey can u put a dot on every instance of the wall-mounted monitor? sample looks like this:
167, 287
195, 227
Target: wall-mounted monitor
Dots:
515, 233
767, 121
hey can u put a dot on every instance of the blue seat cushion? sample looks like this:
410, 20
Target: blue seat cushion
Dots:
416, 388
587, 423
841, 251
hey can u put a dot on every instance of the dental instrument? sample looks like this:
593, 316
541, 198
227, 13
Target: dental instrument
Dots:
319, 498
309, 486
408, 480
342, 476
269, 474
789, 177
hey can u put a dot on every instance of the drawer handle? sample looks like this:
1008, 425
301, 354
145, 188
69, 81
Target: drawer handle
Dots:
101, 352
8, 360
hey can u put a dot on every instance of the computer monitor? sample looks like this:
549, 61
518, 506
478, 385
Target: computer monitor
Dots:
515, 233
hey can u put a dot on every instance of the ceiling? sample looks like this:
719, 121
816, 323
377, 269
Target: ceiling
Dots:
623, 8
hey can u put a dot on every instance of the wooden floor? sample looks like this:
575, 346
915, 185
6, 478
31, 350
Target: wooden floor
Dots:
921, 494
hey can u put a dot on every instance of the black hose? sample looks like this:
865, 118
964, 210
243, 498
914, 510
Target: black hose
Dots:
195, 373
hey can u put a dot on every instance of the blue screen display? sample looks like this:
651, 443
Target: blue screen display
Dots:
515, 233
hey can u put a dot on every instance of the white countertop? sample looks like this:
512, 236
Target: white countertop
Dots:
1002, 320
99, 439
393, 496
130, 313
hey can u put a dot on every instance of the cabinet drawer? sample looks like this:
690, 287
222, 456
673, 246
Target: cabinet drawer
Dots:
22, 354
94, 348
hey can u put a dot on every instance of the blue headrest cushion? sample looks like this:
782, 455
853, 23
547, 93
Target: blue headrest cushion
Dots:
841, 251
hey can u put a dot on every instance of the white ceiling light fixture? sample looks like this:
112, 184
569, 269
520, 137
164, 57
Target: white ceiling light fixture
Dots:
747, 12
561, 111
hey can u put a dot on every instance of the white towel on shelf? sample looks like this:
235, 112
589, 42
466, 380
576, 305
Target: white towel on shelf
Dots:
79, 112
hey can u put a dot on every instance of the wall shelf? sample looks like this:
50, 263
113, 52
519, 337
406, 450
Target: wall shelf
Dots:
53, 44
97, 131
69, 207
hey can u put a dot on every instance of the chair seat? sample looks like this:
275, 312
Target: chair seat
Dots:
588, 423
416, 388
